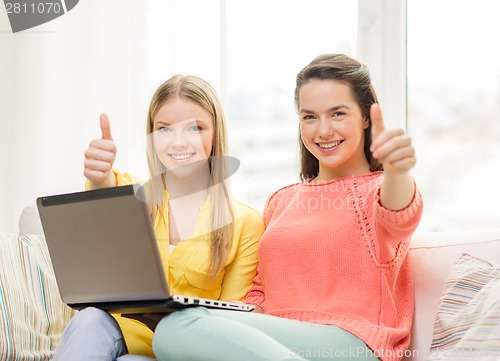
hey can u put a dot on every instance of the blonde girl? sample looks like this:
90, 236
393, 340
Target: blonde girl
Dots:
208, 242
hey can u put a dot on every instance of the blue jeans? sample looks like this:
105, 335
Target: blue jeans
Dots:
93, 335
218, 335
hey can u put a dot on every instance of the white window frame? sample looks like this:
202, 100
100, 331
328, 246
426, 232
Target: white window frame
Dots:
382, 47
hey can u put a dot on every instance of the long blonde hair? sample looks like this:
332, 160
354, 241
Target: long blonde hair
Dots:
198, 91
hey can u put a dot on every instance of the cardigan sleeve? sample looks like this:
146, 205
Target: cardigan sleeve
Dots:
240, 272
122, 179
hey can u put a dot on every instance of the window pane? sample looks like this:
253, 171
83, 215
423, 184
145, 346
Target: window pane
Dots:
268, 42
454, 110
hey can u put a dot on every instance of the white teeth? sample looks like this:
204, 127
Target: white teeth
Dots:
181, 156
329, 145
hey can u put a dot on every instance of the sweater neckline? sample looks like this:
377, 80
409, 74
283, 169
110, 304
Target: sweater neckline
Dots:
309, 181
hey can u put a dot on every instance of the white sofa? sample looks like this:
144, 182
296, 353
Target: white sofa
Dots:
433, 255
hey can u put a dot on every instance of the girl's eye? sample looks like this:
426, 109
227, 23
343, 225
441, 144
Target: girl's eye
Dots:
164, 129
308, 117
195, 128
338, 114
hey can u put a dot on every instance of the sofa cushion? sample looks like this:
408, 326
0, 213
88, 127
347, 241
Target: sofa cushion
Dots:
466, 324
433, 255
32, 315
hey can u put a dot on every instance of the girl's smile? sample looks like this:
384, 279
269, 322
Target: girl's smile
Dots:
181, 158
329, 146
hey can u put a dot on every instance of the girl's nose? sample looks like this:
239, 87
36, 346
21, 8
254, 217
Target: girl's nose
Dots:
180, 139
325, 129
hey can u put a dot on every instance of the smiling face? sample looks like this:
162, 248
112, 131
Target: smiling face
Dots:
183, 135
332, 128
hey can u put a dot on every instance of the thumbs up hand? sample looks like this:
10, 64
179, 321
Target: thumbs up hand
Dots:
105, 127
99, 158
392, 147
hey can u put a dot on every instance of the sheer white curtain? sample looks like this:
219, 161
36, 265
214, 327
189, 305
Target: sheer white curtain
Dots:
55, 81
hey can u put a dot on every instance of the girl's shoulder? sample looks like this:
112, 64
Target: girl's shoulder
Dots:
243, 210
281, 196
242, 207
286, 190
247, 218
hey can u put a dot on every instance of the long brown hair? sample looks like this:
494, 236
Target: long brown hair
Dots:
342, 68
201, 93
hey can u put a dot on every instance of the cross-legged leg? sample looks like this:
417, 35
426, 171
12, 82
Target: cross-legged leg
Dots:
91, 335
216, 335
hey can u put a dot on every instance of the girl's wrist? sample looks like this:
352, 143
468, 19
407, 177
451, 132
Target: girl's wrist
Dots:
258, 309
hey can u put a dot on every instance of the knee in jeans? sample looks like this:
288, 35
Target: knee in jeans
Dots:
90, 316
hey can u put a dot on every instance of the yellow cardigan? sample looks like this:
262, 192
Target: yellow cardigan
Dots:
187, 267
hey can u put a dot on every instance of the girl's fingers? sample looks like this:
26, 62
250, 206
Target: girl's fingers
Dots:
103, 144
400, 153
402, 165
98, 165
391, 142
95, 175
100, 154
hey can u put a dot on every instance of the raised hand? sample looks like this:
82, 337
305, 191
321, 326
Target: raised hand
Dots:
99, 158
392, 147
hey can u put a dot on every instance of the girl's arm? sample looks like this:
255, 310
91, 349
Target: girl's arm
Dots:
240, 272
394, 150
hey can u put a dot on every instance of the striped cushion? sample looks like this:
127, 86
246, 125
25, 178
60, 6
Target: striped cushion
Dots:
32, 315
467, 324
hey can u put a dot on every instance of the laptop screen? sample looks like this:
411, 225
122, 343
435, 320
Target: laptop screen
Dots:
102, 246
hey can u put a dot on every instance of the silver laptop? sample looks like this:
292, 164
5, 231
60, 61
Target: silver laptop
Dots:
105, 255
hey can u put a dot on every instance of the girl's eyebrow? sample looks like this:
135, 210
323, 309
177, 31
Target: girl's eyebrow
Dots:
201, 121
188, 121
332, 109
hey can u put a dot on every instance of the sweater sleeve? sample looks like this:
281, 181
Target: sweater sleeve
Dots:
393, 229
255, 294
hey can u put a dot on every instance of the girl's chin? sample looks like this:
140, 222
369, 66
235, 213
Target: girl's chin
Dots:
188, 169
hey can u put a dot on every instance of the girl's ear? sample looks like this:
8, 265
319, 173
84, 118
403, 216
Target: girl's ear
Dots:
367, 123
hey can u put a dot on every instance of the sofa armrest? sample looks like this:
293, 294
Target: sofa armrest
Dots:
433, 255
29, 221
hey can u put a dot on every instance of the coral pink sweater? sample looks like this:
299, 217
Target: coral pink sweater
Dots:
331, 254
